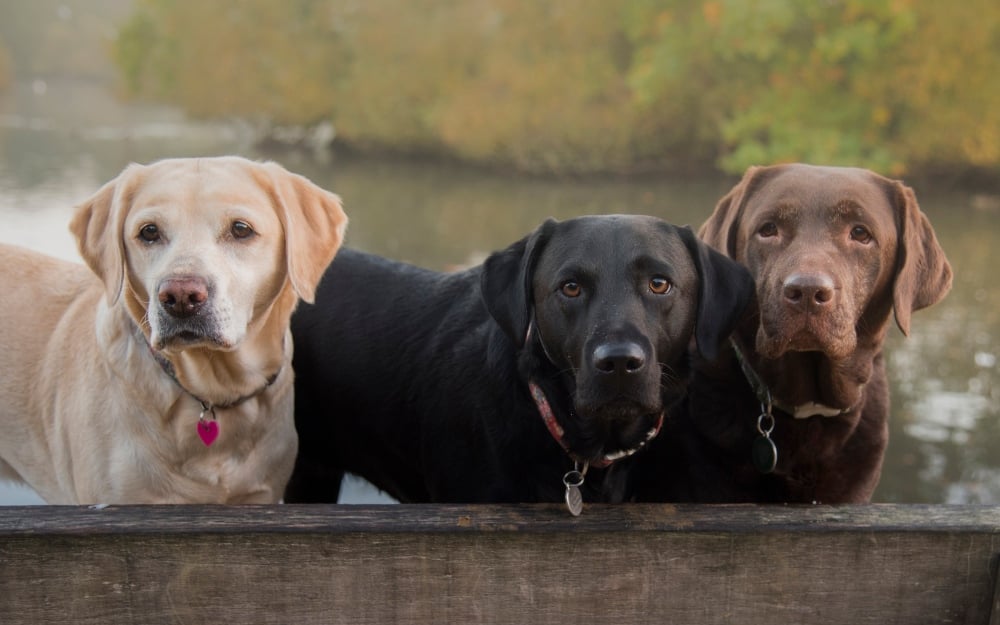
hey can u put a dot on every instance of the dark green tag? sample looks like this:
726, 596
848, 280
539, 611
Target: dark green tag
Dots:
764, 454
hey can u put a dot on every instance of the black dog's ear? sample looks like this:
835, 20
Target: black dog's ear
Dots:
506, 282
726, 288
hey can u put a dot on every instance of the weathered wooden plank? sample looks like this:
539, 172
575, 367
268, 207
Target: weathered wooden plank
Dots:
488, 518
498, 564
995, 612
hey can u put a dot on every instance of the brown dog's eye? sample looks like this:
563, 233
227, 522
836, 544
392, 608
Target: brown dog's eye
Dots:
241, 229
768, 230
149, 233
861, 234
571, 289
659, 285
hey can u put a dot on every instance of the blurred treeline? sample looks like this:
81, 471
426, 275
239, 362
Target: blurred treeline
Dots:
59, 39
591, 85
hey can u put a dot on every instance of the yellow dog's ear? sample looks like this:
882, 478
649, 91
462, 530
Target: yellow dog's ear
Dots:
923, 275
314, 223
97, 226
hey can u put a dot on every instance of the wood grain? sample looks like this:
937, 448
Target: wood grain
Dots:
995, 611
499, 564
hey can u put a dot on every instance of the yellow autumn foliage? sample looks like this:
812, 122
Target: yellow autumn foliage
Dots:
589, 85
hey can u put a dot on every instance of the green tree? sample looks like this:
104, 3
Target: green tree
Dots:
947, 85
783, 80
254, 59
887, 84
591, 85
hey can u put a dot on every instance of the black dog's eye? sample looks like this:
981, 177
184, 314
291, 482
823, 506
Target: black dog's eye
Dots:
768, 230
241, 229
571, 289
659, 285
149, 233
861, 234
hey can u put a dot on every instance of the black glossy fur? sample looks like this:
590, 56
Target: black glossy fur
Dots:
417, 380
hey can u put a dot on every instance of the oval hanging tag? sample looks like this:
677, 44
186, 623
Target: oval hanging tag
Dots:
574, 498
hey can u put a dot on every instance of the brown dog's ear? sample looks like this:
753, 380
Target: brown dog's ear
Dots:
314, 223
725, 290
506, 282
97, 226
923, 275
722, 228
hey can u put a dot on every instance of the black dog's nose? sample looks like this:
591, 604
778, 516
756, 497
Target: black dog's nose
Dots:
182, 297
808, 289
624, 357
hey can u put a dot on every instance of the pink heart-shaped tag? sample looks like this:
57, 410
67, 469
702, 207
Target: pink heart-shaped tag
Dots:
208, 431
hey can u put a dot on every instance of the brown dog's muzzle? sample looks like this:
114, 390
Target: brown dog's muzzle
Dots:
809, 292
806, 310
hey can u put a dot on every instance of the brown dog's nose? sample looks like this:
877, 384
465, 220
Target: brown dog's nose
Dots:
620, 358
182, 297
808, 289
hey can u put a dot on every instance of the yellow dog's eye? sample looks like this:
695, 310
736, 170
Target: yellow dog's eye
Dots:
659, 285
241, 229
149, 233
571, 289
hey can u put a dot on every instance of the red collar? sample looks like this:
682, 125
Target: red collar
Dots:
557, 432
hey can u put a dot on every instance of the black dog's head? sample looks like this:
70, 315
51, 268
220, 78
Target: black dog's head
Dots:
612, 303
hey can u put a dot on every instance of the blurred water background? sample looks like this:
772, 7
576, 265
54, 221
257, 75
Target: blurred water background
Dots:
65, 129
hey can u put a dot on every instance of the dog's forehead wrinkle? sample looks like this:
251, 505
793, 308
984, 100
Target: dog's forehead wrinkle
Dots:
785, 208
559, 269
201, 185
814, 183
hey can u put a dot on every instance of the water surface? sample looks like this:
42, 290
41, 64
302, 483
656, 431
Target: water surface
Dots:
60, 143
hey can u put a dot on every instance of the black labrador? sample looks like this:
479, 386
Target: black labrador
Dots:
562, 352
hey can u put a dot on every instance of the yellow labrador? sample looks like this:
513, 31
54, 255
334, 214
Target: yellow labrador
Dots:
162, 374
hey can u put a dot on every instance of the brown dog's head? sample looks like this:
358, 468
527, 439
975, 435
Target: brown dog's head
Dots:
200, 249
833, 250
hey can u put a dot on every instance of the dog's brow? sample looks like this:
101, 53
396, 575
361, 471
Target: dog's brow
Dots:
651, 264
848, 208
575, 270
785, 211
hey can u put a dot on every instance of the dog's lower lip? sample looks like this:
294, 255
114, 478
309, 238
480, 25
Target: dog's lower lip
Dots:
184, 337
640, 421
620, 407
188, 338
625, 452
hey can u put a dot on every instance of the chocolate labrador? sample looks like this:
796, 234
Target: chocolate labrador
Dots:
797, 410
550, 363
